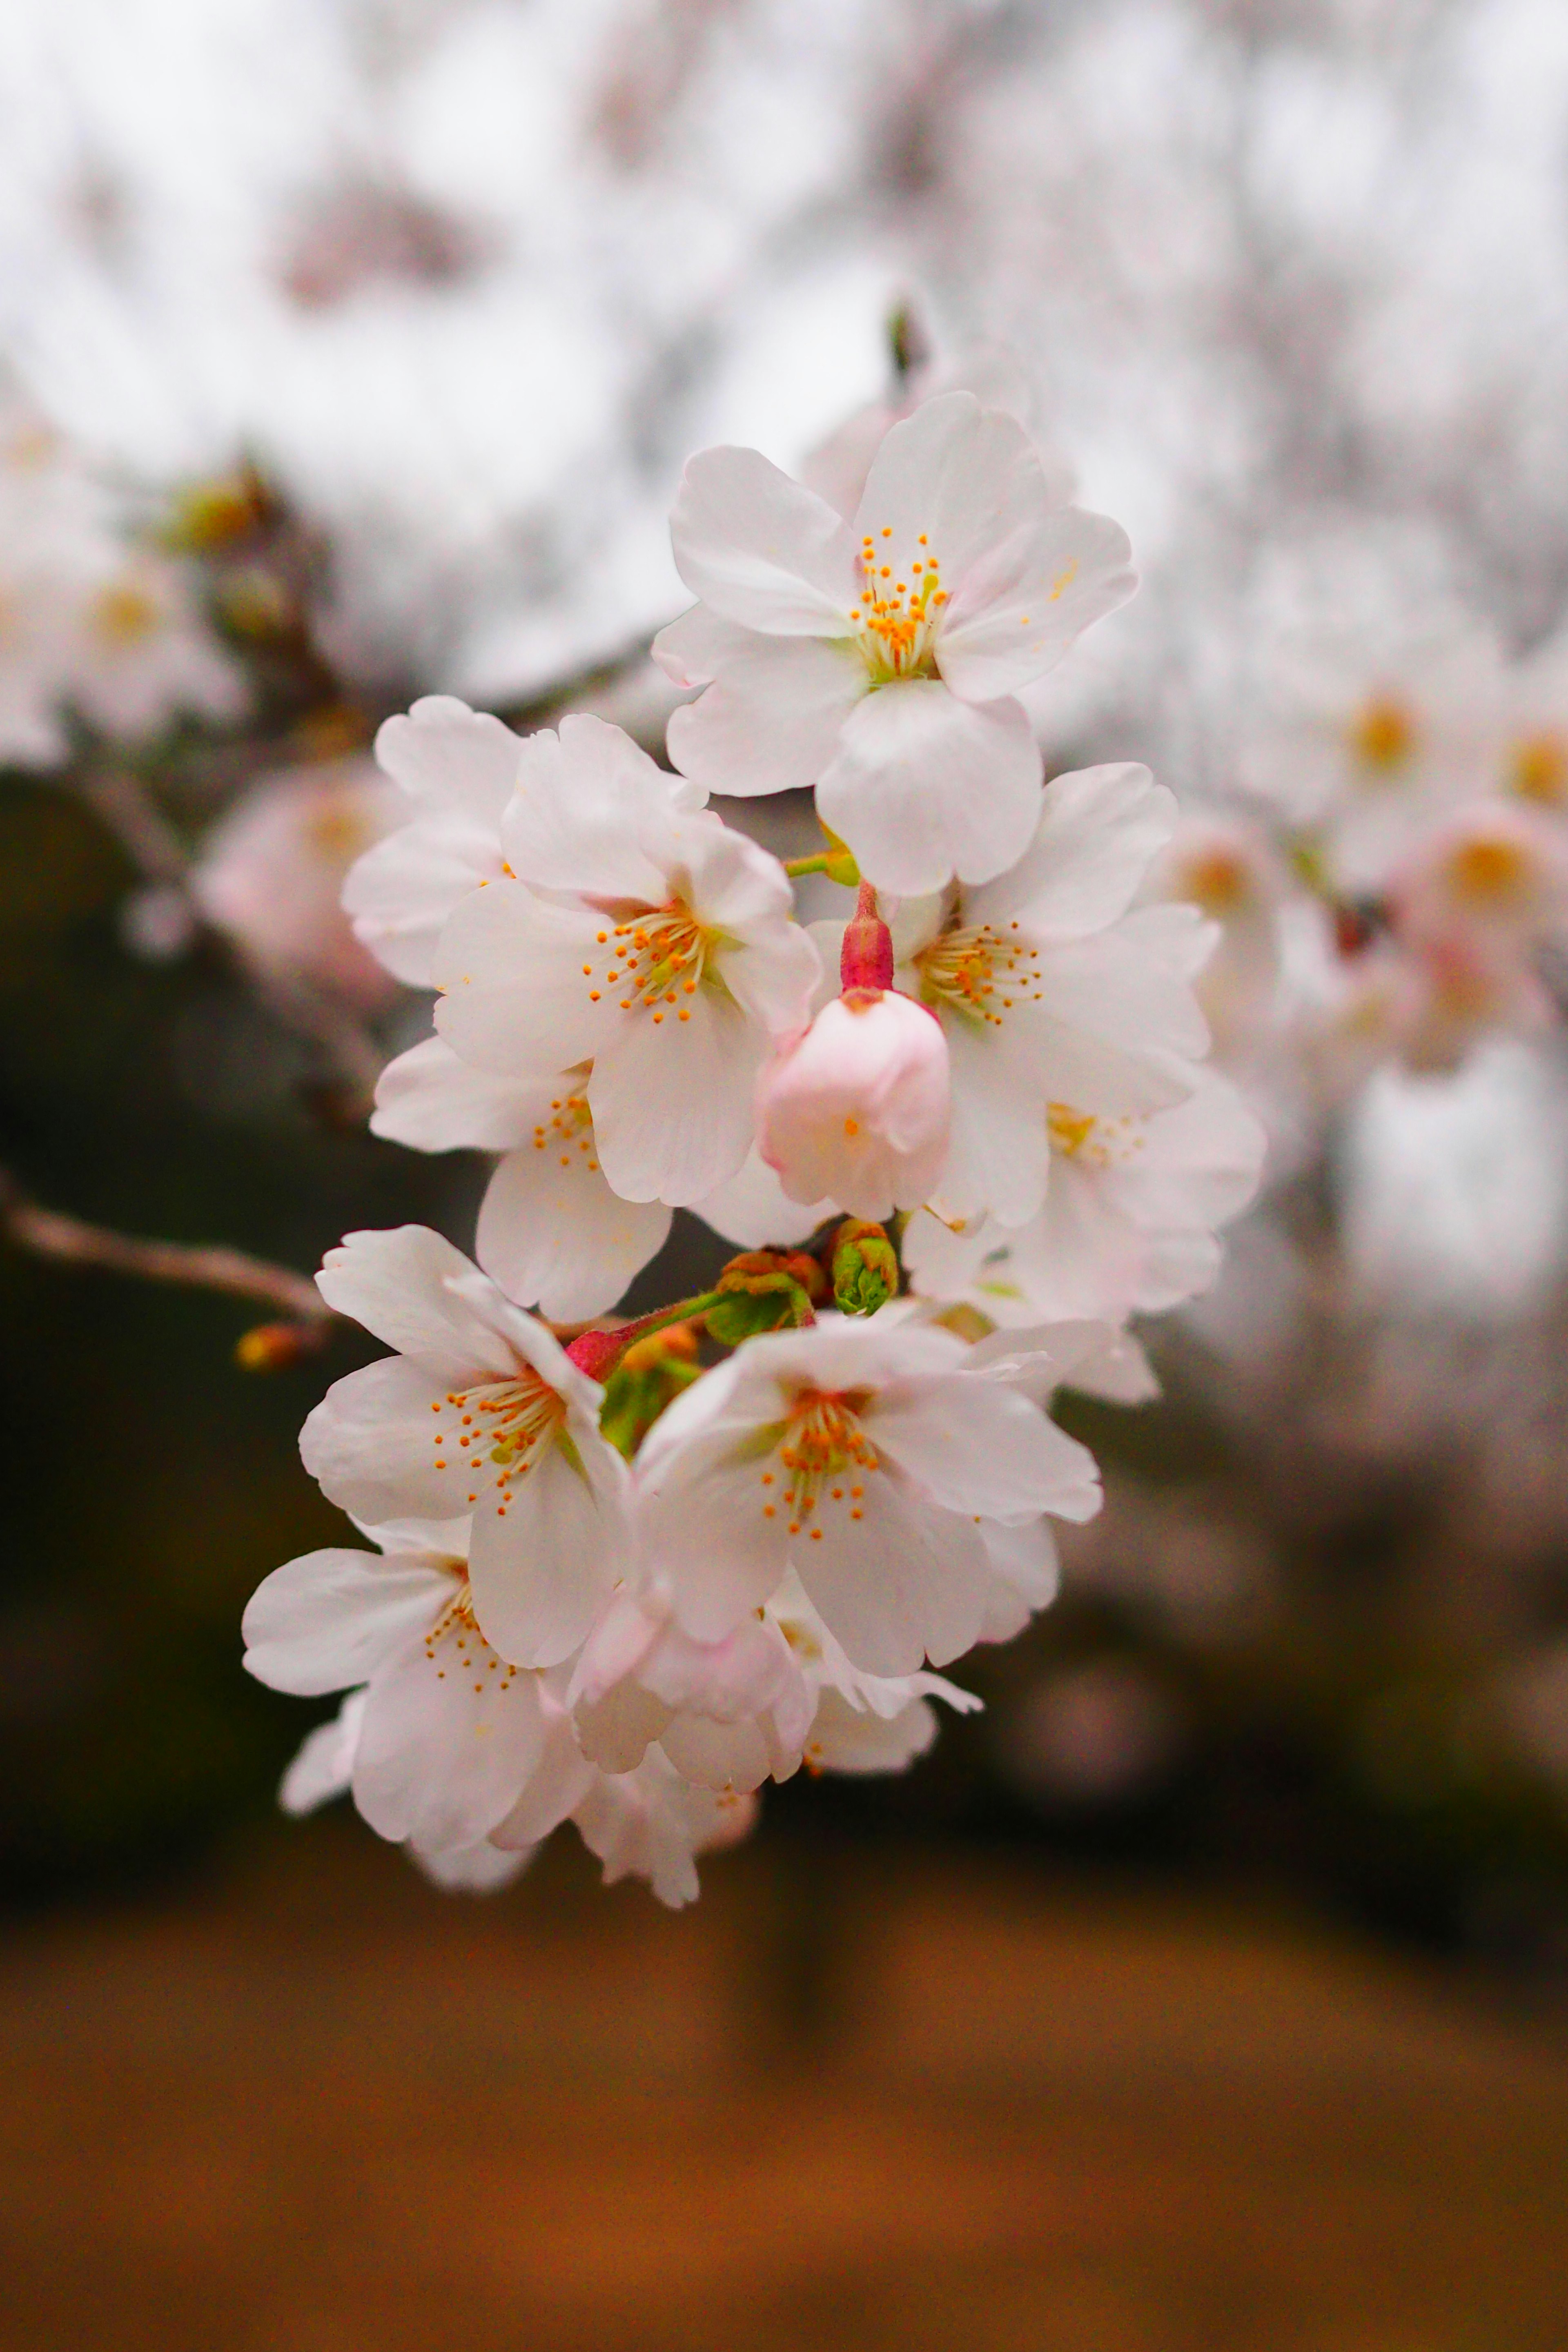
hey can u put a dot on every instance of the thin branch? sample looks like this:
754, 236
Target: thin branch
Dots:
71, 1241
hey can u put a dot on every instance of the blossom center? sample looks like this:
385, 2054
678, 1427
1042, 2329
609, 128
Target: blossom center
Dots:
455, 1646
569, 1132
979, 972
1489, 873
825, 1457
1095, 1142
653, 962
497, 1430
125, 614
896, 619
1382, 734
1539, 770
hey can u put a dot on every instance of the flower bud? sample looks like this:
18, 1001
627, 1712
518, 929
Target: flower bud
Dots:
857, 1110
865, 1268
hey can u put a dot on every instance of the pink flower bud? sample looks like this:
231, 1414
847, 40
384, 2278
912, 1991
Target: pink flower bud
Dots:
858, 1109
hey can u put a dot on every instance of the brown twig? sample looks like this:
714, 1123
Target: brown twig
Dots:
50, 1234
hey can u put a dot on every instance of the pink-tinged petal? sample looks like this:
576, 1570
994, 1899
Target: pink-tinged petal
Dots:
859, 1109
330, 1619
558, 1784
396, 1283
1028, 1572
900, 1583
695, 648
470, 1869
966, 477
1100, 830
753, 1210
770, 720
574, 821
539, 1572
672, 1100
1022, 604
429, 1099
516, 999
447, 756
999, 1158
1118, 1001
369, 1445
979, 1448
718, 1756
400, 893
324, 1769
703, 1527
760, 549
845, 1738
557, 1238
447, 1745
925, 787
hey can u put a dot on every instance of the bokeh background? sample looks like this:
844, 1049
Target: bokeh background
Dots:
1209, 1987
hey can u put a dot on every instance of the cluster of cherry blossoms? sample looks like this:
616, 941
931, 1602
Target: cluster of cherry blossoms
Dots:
625, 1573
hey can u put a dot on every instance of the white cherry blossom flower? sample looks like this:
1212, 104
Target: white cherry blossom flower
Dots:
456, 767
441, 1734
728, 1714
864, 1455
647, 1822
861, 1723
754, 1211
481, 1412
270, 875
1129, 1221
551, 1231
636, 935
1050, 990
859, 1109
881, 660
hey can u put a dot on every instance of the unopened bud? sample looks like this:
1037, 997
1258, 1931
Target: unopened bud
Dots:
650, 1375
764, 1290
213, 517
866, 958
865, 1268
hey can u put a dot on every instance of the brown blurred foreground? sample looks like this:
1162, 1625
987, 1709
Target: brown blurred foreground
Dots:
318, 2108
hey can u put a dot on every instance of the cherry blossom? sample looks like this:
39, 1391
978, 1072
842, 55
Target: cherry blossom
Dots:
638, 936
456, 767
271, 873
1053, 990
441, 1733
862, 1453
1130, 1220
881, 660
858, 1109
551, 1231
480, 1412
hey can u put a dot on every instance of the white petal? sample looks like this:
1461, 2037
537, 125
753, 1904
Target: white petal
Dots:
472, 1869
331, 1618
844, 1738
446, 1746
573, 823
558, 1784
672, 1100
1000, 1153
324, 1769
902, 1583
397, 1283
771, 719
703, 1527
515, 997
1100, 830
557, 1238
925, 786
753, 1210
369, 1443
1020, 606
695, 648
539, 1573
979, 1448
400, 893
760, 549
429, 1099
449, 756
966, 477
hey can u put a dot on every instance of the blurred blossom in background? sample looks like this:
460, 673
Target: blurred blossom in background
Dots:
350, 350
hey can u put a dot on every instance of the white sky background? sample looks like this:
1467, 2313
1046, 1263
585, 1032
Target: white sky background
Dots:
1322, 262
